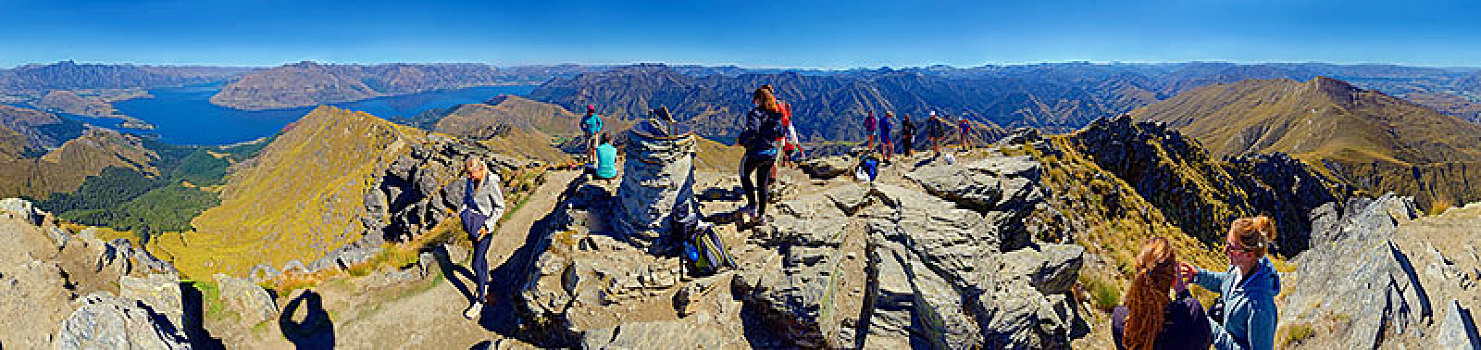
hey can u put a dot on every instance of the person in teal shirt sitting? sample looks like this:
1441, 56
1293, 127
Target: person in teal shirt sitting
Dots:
606, 159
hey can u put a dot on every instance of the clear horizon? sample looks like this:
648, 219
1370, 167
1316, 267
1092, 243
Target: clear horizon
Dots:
677, 64
821, 35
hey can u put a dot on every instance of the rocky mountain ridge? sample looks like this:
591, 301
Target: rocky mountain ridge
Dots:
1057, 97
37, 79
845, 265
310, 83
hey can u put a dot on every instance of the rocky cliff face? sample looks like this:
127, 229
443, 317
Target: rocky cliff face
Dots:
1380, 276
416, 192
75, 291
1202, 195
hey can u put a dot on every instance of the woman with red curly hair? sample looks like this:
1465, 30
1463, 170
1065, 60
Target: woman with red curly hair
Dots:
1152, 320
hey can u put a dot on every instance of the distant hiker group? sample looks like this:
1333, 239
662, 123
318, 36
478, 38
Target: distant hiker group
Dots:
1244, 316
880, 131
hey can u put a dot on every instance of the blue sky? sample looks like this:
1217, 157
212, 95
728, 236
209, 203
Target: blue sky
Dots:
779, 33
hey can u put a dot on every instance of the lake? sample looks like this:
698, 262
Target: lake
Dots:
185, 115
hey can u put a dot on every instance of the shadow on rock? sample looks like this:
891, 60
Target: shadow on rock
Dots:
501, 314
311, 328
200, 338
455, 275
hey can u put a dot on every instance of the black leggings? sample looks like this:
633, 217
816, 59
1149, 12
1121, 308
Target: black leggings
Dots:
481, 266
761, 165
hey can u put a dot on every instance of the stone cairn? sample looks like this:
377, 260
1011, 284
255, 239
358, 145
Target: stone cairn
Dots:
657, 185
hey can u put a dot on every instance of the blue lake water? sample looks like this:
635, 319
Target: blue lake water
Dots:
185, 115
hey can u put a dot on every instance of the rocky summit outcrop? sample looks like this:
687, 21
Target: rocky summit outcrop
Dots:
59, 288
35, 294
160, 292
828, 167
1358, 271
423, 187
1378, 276
107, 322
838, 265
247, 299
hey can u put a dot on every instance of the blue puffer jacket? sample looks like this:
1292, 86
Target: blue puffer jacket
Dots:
1250, 315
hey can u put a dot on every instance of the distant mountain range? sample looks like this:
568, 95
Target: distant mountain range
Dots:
1057, 97
37, 79
1370, 139
308, 83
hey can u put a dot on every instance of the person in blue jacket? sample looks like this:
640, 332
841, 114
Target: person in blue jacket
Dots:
1247, 290
591, 125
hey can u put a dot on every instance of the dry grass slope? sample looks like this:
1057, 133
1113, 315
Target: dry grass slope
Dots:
1377, 142
302, 197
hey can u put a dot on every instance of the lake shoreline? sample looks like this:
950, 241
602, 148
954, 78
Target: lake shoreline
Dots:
185, 116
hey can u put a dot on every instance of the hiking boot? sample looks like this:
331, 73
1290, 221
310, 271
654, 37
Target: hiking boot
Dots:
473, 310
745, 213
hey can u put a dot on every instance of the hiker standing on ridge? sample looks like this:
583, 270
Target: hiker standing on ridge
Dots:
935, 130
760, 129
907, 135
788, 141
966, 129
591, 124
483, 205
1247, 290
869, 123
886, 145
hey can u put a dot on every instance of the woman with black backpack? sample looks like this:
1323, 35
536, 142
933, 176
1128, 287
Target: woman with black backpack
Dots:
760, 129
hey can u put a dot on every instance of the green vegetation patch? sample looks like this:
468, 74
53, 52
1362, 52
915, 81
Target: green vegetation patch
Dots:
148, 204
